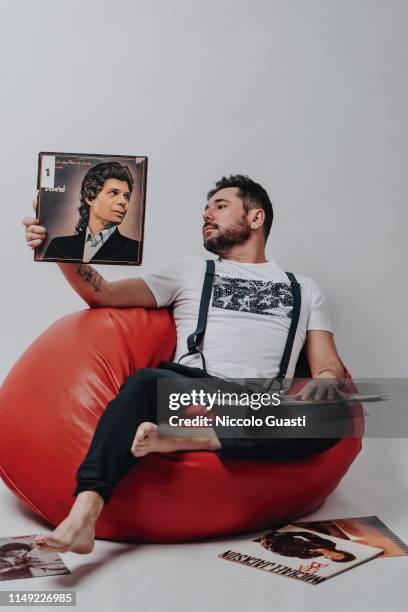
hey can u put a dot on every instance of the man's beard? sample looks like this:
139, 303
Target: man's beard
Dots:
224, 240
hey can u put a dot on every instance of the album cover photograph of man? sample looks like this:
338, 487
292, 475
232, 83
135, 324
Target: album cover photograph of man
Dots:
20, 558
92, 207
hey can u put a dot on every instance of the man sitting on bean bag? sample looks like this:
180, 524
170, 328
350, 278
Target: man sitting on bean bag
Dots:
259, 318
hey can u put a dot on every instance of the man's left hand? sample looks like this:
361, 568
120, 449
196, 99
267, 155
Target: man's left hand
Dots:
321, 388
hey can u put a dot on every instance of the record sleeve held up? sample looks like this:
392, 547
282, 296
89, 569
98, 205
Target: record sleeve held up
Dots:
92, 207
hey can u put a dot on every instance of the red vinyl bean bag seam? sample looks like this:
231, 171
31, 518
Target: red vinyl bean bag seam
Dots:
53, 397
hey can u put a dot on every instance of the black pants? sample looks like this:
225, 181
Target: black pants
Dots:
109, 456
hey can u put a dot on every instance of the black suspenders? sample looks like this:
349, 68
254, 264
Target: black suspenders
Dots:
283, 368
196, 338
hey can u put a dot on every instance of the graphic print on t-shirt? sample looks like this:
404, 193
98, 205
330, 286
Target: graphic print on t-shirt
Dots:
260, 297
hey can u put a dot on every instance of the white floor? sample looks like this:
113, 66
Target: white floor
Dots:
189, 577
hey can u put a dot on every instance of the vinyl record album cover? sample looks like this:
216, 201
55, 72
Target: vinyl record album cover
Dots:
20, 558
300, 553
92, 207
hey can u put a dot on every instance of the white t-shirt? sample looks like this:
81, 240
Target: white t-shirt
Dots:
248, 318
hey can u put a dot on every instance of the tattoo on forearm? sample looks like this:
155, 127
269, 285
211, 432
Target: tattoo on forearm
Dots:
90, 276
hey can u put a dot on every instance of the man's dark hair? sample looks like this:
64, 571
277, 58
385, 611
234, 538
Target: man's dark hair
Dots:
93, 183
346, 558
13, 547
252, 195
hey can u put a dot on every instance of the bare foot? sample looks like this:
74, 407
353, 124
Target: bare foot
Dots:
147, 441
76, 533
68, 536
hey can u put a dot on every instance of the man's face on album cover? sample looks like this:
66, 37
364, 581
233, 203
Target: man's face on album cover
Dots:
225, 221
15, 557
111, 203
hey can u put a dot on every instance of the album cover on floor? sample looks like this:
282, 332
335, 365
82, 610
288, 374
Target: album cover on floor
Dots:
92, 207
20, 558
300, 553
364, 530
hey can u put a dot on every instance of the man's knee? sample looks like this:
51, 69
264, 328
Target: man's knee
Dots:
146, 377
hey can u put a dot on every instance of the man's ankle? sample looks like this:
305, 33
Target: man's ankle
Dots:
88, 504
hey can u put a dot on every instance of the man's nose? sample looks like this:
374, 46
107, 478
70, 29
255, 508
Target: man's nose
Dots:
208, 215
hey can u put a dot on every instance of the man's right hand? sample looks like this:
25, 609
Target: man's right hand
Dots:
35, 233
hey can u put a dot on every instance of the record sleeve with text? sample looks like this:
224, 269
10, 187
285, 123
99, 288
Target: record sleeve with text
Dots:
92, 206
300, 553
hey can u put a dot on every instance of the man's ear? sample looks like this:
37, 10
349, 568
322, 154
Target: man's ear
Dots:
256, 217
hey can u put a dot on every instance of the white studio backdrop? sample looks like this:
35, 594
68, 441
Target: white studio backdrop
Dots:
308, 97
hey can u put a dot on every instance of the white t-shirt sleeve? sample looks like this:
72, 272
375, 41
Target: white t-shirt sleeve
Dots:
167, 282
319, 317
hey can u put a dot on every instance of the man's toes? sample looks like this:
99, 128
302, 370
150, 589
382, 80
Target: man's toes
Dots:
143, 431
54, 542
147, 428
50, 549
140, 434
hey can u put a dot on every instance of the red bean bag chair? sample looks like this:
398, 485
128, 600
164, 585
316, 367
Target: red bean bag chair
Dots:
49, 407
